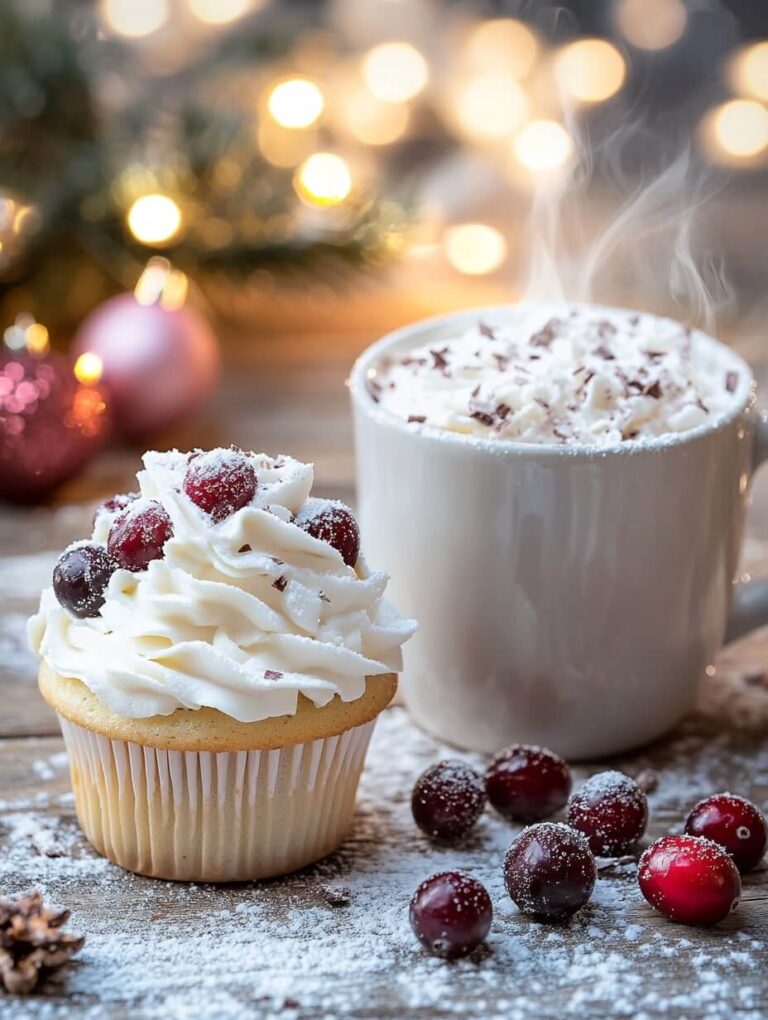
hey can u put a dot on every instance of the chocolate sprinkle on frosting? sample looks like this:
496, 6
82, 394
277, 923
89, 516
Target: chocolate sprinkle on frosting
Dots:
731, 381
273, 674
281, 583
417, 419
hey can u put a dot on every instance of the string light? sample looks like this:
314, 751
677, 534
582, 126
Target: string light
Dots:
736, 131
219, 12
373, 121
323, 179
89, 368
502, 44
543, 145
490, 105
474, 248
295, 103
749, 71
154, 219
395, 71
651, 24
590, 70
135, 18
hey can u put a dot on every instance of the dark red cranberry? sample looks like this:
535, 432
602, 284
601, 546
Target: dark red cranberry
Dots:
80, 578
331, 522
451, 914
115, 503
527, 783
689, 879
735, 824
138, 534
549, 871
612, 812
448, 799
220, 482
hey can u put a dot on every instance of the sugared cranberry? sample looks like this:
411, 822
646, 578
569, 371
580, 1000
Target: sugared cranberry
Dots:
527, 783
331, 522
735, 824
549, 871
612, 812
689, 879
448, 799
115, 503
220, 482
138, 534
451, 914
80, 578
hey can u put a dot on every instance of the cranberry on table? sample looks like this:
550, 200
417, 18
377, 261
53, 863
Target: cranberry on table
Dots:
451, 914
80, 578
448, 799
612, 812
526, 784
331, 522
220, 482
689, 879
735, 824
138, 534
549, 871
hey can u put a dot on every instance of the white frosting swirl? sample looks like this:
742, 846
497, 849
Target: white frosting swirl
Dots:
207, 626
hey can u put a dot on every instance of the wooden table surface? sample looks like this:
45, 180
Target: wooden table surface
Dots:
155, 949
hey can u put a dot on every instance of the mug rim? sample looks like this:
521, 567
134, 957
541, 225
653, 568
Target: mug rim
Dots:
361, 397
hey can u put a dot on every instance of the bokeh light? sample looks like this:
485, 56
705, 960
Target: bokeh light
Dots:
502, 44
89, 368
324, 179
651, 24
154, 219
490, 105
543, 145
135, 18
219, 12
37, 340
590, 70
736, 131
296, 103
284, 147
749, 71
474, 248
372, 121
395, 71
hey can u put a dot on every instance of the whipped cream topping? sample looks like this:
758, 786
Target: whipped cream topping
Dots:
241, 616
564, 375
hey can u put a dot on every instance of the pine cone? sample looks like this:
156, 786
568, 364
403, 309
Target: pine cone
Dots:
31, 940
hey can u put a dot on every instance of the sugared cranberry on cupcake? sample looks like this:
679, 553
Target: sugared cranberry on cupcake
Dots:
220, 482
549, 871
526, 784
138, 534
447, 800
689, 879
331, 522
80, 578
611, 810
115, 503
735, 824
451, 914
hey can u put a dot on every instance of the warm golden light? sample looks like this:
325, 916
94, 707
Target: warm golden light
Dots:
373, 121
543, 145
219, 12
323, 179
749, 71
490, 105
474, 248
395, 71
135, 18
737, 130
295, 103
502, 44
651, 24
590, 70
154, 219
37, 340
284, 147
89, 368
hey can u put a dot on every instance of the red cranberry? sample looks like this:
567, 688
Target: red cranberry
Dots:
526, 783
689, 879
549, 871
451, 914
733, 822
138, 534
331, 522
80, 578
448, 799
612, 812
220, 482
115, 503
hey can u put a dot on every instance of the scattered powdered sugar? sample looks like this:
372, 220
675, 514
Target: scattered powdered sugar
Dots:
286, 949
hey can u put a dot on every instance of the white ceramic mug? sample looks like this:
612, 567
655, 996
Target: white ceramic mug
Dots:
571, 597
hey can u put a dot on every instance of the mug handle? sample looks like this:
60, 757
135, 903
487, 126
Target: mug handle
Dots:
749, 609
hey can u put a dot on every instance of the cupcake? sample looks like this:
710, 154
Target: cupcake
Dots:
217, 654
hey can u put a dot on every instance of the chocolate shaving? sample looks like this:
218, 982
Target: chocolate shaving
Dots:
323, 597
502, 361
653, 390
411, 360
484, 417
700, 403
486, 330
244, 549
654, 355
374, 390
603, 352
439, 358
560, 434
418, 419
281, 584
542, 403
546, 335
606, 329
272, 674
634, 320
731, 381
503, 410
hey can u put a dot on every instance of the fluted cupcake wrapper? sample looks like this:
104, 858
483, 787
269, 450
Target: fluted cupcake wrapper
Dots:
215, 816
